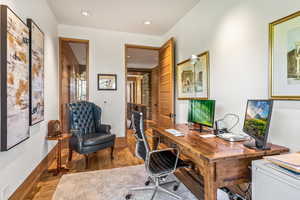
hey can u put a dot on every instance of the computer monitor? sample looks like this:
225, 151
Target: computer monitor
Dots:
257, 121
202, 112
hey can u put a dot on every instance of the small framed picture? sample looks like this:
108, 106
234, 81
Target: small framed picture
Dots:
107, 82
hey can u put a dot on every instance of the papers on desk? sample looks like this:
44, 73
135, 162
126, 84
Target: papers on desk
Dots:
208, 136
175, 132
288, 161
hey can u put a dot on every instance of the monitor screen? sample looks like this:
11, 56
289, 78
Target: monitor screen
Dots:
202, 112
257, 119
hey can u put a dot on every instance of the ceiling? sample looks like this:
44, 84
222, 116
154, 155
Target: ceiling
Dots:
79, 50
141, 58
121, 15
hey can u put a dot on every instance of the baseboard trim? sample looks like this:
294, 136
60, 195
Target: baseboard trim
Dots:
26, 187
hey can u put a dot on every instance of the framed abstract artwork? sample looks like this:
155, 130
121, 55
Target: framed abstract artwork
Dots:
14, 81
285, 58
192, 77
36, 76
107, 82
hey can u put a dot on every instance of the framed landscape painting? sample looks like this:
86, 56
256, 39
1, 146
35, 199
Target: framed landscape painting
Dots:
107, 82
14, 77
193, 78
285, 58
36, 76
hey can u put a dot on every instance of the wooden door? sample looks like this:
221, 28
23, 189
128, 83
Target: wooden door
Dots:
166, 107
154, 93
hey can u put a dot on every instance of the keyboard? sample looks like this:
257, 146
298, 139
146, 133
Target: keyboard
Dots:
174, 132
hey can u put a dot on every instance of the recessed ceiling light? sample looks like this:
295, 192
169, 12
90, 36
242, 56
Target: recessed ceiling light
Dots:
147, 22
85, 13
128, 56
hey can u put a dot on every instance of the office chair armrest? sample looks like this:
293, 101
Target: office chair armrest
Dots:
161, 150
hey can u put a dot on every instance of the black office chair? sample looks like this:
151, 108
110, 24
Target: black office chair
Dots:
159, 163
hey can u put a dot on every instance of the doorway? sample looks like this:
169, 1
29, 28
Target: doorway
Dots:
141, 88
73, 75
150, 83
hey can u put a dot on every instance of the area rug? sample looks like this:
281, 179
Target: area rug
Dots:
114, 184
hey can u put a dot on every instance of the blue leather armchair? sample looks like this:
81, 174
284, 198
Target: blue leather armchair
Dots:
88, 134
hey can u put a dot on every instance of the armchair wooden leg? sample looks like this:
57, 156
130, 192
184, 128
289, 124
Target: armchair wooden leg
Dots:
112, 152
70, 155
86, 161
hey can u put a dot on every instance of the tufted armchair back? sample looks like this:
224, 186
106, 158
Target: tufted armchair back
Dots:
84, 117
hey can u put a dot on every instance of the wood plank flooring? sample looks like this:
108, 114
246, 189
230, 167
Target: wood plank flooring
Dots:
45, 187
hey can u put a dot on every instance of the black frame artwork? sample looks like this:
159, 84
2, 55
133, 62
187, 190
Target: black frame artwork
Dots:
36, 76
14, 79
113, 76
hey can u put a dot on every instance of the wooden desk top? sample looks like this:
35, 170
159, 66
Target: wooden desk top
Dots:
215, 149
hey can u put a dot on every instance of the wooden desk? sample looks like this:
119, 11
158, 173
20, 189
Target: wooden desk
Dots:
220, 163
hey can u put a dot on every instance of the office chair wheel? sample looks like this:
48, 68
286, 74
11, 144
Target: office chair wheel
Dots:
128, 196
147, 182
175, 187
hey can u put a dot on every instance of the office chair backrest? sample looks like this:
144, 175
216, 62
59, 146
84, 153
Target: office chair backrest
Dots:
142, 146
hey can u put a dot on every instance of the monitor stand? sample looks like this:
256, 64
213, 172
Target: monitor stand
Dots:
252, 144
201, 129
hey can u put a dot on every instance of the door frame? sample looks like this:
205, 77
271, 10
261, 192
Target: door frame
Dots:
73, 40
126, 46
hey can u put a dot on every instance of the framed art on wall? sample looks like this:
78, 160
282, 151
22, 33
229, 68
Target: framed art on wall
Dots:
285, 58
107, 82
14, 77
36, 77
192, 77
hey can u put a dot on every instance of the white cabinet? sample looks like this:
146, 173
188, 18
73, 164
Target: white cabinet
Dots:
270, 182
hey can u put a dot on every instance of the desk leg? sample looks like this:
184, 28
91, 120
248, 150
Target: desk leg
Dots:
210, 189
155, 143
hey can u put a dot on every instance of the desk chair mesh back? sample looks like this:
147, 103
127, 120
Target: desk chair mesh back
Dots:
142, 146
159, 163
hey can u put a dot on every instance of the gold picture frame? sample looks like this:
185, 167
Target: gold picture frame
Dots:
191, 84
284, 64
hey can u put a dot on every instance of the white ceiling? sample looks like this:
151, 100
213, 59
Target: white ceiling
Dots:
79, 50
121, 15
141, 58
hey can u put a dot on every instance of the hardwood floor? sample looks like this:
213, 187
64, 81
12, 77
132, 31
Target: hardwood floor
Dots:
45, 187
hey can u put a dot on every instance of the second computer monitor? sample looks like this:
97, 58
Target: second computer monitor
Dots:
202, 112
257, 121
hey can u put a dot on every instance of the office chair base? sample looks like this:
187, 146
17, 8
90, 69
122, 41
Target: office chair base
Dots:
156, 188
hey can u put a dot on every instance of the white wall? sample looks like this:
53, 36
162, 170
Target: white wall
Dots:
107, 55
236, 34
18, 163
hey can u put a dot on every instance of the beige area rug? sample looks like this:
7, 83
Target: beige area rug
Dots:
114, 184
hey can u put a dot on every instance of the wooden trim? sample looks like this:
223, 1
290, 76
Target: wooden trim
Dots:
25, 188
139, 70
73, 40
141, 47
